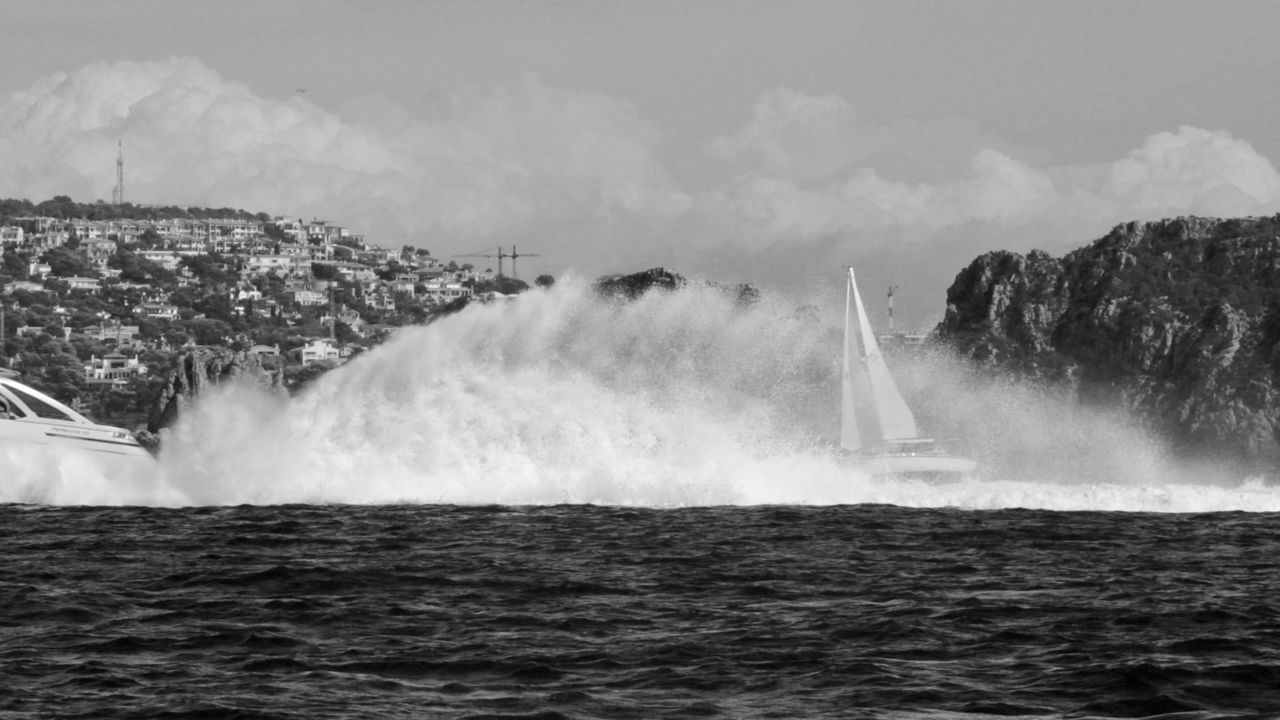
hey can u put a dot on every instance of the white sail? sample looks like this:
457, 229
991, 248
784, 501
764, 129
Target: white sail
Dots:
872, 409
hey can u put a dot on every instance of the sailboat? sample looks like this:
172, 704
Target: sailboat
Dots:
877, 428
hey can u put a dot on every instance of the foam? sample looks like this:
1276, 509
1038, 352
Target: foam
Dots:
674, 400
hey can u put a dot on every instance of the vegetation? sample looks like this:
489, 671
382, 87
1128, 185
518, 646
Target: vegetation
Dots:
61, 207
51, 331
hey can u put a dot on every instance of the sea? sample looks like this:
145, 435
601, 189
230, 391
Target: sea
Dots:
559, 507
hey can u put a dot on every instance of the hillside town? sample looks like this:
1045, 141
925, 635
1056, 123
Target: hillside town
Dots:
94, 299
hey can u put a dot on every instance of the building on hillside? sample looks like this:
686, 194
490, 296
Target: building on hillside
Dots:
291, 227
157, 311
121, 334
281, 264
318, 350
405, 283
379, 300
27, 285
87, 284
167, 259
444, 291
113, 369
245, 291
98, 248
11, 236
306, 297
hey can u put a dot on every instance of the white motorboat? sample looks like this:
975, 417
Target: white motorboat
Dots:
877, 428
28, 416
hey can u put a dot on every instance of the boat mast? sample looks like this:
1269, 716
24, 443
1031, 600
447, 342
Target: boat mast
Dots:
891, 289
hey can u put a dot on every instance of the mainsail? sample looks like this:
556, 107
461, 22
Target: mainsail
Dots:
871, 408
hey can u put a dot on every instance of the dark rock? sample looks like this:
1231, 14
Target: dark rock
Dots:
630, 287
1178, 321
196, 370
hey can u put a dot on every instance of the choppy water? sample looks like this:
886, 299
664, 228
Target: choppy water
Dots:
564, 508
594, 612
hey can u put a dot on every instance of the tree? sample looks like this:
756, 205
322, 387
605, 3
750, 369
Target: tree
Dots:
207, 268
343, 333
15, 265
321, 271
503, 284
150, 239
66, 263
298, 377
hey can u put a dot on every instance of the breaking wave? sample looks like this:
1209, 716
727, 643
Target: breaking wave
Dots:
676, 399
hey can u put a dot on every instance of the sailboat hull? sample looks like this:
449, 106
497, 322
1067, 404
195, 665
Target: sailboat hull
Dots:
912, 465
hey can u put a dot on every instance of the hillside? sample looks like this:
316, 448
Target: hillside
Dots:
1178, 321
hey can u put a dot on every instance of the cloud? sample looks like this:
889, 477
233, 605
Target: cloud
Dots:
783, 186
1202, 171
493, 161
801, 183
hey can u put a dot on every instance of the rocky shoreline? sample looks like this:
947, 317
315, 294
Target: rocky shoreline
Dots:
1176, 321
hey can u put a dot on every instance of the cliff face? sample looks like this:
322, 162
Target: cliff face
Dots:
1178, 321
199, 369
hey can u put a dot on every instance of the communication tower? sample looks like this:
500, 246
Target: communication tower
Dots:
117, 195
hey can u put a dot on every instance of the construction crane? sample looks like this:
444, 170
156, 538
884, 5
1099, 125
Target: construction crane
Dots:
514, 255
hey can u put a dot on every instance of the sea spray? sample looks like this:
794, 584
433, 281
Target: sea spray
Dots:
676, 399
1026, 430
51, 475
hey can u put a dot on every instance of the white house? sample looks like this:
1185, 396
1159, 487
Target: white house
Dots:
11, 235
443, 291
161, 311
321, 349
113, 369
84, 283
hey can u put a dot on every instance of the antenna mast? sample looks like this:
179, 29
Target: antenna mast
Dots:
891, 289
117, 195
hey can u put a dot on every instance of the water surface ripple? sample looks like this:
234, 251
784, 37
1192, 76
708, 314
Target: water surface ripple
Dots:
596, 612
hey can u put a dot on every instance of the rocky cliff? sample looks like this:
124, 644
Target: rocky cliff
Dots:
1178, 321
198, 369
632, 286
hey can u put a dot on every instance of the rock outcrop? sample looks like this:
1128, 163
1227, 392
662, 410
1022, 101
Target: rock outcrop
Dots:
196, 370
632, 286
1178, 321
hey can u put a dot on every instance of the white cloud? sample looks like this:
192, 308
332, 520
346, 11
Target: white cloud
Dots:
783, 185
582, 177
493, 161
1195, 170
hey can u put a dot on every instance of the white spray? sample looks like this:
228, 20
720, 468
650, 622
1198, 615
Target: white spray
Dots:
676, 399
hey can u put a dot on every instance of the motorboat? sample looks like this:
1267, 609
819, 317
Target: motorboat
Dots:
28, 416
878, 431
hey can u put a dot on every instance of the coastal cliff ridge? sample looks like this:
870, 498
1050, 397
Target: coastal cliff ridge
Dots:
1177, 320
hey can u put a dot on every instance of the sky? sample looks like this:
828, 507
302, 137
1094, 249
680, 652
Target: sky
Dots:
741, 141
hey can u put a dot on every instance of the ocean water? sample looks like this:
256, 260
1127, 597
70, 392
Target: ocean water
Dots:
563, 508
604, 612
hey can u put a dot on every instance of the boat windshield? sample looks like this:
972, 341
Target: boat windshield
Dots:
35, 405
